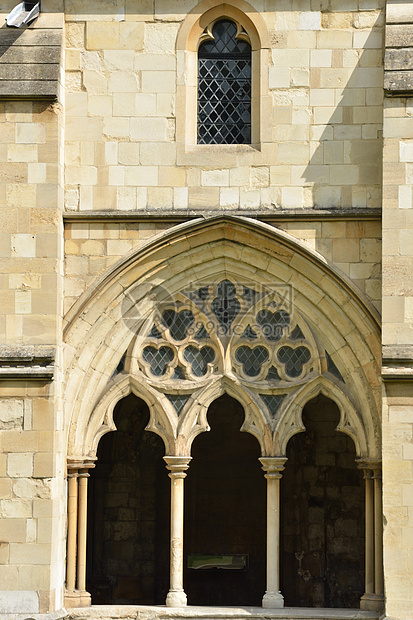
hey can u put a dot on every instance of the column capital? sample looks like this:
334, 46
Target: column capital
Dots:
370, 467
273, 465
79, 465
177, 465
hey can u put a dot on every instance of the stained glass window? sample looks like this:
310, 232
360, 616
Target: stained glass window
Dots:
273, 402
252, 359
199, 359
178, 401
294, 359
158, 359
224, 87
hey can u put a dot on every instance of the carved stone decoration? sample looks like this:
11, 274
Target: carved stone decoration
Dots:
226, 336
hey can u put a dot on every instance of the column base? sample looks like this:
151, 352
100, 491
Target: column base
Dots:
272, 600
77, 598
176, 598
372, 602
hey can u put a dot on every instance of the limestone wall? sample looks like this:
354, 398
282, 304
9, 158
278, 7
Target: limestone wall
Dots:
321, 144
398, 355
354, 246
32, 491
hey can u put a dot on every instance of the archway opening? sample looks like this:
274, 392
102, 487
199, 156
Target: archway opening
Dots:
225, 513
322, 514
128, 513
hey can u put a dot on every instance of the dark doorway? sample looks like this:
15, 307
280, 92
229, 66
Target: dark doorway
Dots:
128, 513
225, 511
322, 514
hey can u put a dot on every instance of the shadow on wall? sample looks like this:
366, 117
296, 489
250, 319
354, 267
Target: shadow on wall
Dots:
345, 167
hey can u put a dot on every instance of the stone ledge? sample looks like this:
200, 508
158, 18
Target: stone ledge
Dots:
263, 215
25, 372
393, 354
42, 354
27, 362
397, 363
106, 612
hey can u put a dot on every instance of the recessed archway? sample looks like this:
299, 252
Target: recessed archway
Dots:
128, 510
329, 322
225, 514
322, 524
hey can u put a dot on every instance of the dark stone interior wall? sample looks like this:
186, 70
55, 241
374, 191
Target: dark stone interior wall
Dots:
322, 515
225, 509
128, 513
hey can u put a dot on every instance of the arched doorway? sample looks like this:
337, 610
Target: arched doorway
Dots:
322, 518
280, 343
225, 512
128, 510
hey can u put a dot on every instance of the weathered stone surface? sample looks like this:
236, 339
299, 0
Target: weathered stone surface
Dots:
33, 88
399, 35
30, 54
35, 38
398, 81
24, 72
398, 59
11, 414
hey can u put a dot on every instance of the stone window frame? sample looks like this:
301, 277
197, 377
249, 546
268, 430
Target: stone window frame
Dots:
189, 37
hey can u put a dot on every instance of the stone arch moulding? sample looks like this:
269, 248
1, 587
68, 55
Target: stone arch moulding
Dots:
189, 36
101, 328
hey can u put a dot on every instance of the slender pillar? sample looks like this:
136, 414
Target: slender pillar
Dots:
378, 535
76, 595
81, 530
273, 466
369, 532
177, 466
71, 530
373, 598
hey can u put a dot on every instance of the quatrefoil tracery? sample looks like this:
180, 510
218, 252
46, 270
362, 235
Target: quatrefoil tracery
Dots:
228, 328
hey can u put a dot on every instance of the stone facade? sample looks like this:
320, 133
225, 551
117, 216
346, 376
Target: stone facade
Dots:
108, 205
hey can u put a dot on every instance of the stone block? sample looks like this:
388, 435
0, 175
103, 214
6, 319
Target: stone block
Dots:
172, 176
22, 153
19, 602
180, 197
23, 245
131, 36
160, 37
102, 35
158, 82
158, 154
11, 414
310, 20
160, 197
214, 178
30, 133
123, 82
144, 176
20, 465
15, 508
148, 129
293, 153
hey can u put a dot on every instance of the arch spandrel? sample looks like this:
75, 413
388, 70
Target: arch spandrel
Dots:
209, 250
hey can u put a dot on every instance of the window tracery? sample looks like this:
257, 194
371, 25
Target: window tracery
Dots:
252, 335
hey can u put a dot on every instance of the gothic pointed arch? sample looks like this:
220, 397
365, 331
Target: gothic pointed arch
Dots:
225, 304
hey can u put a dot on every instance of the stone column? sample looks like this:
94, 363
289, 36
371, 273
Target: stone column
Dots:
71, 531
273, 466
81, 530
177, 466
373, 598
76, 594
378, 535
